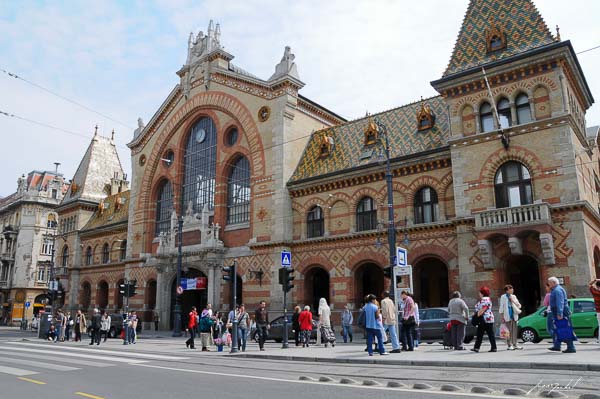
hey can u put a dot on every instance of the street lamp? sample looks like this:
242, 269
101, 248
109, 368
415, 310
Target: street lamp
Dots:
177, 309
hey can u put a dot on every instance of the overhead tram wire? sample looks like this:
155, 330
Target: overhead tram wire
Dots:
14, 75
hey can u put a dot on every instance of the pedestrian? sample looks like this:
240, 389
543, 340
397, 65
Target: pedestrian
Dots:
417, 337
80, 325
347, 321
296, 325
305, 321
58, 325
68, 326
95, 327
156, 319
509, 311
261, 316
408, 322
192, 327
547, 313
559, 309
594, 286
105, 325
205, 326
372, 313
217, 327
51, 335
243, 319
458, 311
390, 320
327, 334
483, 309
132, 328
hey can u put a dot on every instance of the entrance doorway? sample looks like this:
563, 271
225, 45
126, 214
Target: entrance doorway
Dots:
86, 296
102, 295
430, 281
189, 298
316, 286
523, 274
368, 279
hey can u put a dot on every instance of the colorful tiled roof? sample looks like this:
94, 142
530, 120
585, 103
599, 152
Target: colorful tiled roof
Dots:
520, 20
109, 213
349, 148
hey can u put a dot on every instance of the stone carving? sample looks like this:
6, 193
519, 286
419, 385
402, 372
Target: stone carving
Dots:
286, 66
516, 245
547, 244
163, 245
486, 253
140, 128
204, 44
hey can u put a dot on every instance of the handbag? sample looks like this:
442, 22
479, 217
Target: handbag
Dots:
408, 322
476, 320
564, 330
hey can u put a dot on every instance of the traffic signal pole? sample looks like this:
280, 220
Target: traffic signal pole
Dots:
286, 277
234, 322
285, 344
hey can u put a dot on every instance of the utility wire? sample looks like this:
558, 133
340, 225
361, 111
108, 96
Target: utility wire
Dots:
590, 49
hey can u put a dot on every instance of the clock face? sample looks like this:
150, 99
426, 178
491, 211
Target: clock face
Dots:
200, 135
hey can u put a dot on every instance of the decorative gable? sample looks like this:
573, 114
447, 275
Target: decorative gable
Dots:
425, 117
371, 133
326, 145
495, 38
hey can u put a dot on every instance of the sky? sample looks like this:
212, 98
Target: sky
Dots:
118, 60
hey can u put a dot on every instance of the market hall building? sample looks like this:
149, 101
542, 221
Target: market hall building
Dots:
481, 197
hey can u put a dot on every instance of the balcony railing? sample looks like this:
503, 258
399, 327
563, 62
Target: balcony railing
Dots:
519, 215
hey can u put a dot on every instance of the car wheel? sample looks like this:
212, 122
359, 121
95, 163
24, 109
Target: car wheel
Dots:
468, 339
530, 335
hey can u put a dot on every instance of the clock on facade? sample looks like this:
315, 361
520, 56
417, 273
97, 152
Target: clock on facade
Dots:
200, 135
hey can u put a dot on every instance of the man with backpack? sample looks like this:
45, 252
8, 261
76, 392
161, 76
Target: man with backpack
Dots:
205, 325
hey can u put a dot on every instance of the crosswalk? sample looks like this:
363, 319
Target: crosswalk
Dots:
28, 358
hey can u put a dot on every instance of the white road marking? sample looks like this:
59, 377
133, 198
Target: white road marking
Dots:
16, 371
58, 359
41, 365
384, 388
86, 356
105, 351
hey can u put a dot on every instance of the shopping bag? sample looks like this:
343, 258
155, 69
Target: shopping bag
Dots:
564, 330
504, 331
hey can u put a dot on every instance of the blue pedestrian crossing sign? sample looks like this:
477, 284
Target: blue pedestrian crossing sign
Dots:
401, 256
286, 259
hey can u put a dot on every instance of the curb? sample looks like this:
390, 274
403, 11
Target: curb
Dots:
432, 363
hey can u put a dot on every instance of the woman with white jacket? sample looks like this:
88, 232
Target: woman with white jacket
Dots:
510, 308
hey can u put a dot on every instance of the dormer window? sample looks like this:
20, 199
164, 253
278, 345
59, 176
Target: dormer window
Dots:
371, 133
495, 38
425, 118
325, 145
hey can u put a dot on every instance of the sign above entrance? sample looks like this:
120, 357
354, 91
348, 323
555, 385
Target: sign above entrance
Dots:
197, 283
401, 256
286, 259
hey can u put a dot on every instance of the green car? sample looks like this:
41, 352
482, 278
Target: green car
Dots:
532, 328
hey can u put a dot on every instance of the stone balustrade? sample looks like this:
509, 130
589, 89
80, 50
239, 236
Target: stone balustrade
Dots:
519, 215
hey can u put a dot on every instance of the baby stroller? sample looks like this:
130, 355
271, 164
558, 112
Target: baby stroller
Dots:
447, 340
327, 335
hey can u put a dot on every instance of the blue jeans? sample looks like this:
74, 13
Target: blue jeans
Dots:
347, 333
371, 333
58, 327
242, 338
550, 324
393, 336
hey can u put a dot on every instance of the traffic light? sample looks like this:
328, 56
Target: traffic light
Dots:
229, 273
286, 277
131, 288
387, 272
123, 289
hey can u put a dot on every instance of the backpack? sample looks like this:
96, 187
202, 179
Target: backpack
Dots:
205, 324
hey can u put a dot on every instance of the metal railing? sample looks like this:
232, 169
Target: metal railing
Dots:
525, 214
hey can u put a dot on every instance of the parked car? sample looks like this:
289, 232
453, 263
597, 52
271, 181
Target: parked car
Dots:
433, 323
116, 325
276, 330
532, 328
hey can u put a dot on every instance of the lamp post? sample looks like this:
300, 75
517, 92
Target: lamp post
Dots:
381, 128
177, 309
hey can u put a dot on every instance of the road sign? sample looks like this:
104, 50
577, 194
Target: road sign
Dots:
180, 290
286, 259
401, 256
27, 304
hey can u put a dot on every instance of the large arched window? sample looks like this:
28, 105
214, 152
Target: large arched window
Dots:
164, 207
486, 117
88, 256
65, 256
200, 166
366, 215
504, 113
105, 253
315, 222
426, 206
238, 192
512, 185
523, 109
123, 250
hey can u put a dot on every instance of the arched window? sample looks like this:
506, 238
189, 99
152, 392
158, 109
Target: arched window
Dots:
88, 256
105, 253
504, 113
65, 256
426, 206
512, 185
164, 207
315, 222
366, 215
238, 192
123, 250
486, 117
523, 109
200, 166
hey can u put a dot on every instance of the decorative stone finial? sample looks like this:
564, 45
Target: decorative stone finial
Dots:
286, 66
112, 135
557, 33
96, 130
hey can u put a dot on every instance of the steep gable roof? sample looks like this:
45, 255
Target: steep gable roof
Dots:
522, 24
349, 148
98, 166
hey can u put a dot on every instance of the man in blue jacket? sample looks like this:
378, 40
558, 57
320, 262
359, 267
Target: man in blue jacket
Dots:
559, 309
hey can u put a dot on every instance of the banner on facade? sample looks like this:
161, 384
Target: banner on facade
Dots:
197, 283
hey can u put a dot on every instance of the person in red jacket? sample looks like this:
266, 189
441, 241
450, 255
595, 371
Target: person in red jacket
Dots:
306, 326
192, 327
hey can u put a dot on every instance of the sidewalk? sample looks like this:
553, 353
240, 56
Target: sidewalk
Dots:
533, 356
